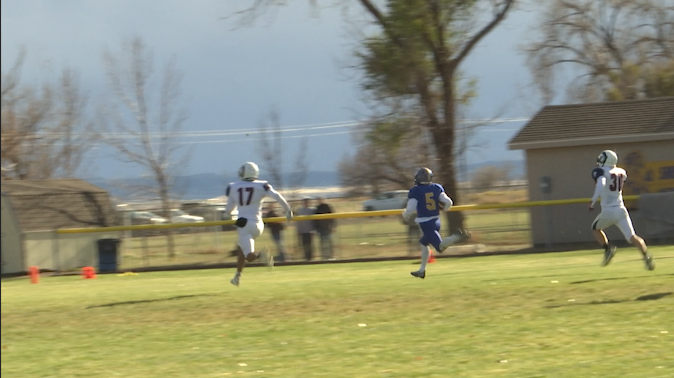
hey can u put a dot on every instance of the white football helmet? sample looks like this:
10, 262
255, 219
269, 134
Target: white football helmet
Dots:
607, 158
249, 171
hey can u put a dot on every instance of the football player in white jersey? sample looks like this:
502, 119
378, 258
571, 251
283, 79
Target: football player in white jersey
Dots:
609, 180
247, 195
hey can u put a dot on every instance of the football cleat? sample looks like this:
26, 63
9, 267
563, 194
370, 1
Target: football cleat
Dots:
609, 252
266, 257
419, 274
461, 236
648, 262
235, 280
269, 260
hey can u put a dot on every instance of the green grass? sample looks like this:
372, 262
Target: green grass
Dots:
544, 315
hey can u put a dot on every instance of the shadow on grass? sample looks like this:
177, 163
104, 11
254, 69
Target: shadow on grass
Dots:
151, 300
650, 297
619, 278
446, 274
653, 297
530, 277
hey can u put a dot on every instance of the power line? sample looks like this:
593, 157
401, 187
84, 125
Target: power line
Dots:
257, 139
212, 133
302, 128
296, 128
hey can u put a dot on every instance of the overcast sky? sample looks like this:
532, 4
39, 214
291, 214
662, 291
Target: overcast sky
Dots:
292, 62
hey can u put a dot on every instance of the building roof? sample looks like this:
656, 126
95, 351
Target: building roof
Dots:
41, 205
598, 123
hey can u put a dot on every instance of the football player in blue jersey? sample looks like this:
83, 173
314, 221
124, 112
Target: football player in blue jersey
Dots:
424, 202
609, 180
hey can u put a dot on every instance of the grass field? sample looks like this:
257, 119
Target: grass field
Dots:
543, 315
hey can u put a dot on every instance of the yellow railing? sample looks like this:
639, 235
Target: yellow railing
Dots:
356, 214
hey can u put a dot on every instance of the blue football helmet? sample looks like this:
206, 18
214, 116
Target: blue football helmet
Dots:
424, 176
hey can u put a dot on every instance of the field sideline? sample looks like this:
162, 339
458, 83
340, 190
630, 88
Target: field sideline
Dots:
540, 315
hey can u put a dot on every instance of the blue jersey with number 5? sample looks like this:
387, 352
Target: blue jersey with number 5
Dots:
427, 196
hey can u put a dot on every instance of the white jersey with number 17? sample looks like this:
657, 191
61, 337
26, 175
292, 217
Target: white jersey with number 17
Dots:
247, 197
609, 186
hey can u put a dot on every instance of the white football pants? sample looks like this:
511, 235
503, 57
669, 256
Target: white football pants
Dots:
248, 234
618, 216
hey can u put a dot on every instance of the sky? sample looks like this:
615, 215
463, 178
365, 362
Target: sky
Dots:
294, 62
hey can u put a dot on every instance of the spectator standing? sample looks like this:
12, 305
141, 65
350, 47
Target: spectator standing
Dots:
413, 235
305, 229
325, 227
277, 233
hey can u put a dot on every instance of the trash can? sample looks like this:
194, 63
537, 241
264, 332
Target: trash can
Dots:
108, 255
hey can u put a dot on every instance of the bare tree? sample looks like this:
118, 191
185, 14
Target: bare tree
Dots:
600, 42
144, 120
392, 154
45, 131
301, 170
388, 152
259, 9
488, 176
271, 150
358, 180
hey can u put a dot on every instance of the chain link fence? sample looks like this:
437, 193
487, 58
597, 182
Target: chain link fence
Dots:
352, 238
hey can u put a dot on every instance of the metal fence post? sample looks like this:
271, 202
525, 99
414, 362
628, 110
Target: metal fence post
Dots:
548, 223
546, 189
146, 260
56, 259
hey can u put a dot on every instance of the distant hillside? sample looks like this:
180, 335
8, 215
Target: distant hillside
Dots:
199, 186
518, 167
211, 185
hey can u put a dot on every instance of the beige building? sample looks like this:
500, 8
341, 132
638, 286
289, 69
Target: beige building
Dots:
33, 209
562, 143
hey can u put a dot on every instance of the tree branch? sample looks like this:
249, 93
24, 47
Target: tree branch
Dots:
499, 16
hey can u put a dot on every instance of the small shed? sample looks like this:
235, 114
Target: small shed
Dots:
561, 145
33, 209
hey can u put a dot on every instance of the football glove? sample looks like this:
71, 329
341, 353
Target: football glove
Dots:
408, 216
289, 215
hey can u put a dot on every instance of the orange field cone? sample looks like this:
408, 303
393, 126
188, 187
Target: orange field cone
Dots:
431, 258
88, 273
34, 275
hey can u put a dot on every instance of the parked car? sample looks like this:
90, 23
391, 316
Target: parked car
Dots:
396, 199
215, 213
209, 213
146, 217
179, 216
